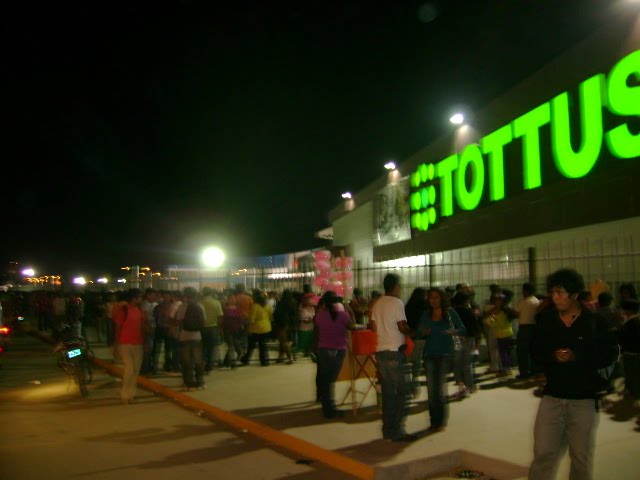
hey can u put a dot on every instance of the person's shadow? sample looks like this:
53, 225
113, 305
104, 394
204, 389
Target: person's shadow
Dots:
621, 410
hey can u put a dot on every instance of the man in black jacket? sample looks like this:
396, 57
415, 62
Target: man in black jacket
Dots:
570, 344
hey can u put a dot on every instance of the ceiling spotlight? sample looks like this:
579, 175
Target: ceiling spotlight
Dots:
346, 195
457, 119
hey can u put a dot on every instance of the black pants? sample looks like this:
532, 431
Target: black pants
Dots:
523, 349
329, 365
261, 340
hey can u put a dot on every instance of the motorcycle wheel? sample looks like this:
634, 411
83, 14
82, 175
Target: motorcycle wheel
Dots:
81, 378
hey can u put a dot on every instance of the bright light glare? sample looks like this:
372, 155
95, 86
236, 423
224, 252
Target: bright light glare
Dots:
457, 119
213, 257
417, 261
28, 272
390, 166
122, 280
102, 280
79, 281
346, 195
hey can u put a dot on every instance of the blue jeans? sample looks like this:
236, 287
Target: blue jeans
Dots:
462, 361
329, 364
392, 369
234, 347
437, 367
416, 361
561, 423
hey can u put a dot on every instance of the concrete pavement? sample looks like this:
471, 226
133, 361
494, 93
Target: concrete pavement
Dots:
47, 430
496, 423
491, 431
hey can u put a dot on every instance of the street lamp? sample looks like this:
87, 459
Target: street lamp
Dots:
457, 119
212, 257
346, 195
390, 165
28, 272
79, 281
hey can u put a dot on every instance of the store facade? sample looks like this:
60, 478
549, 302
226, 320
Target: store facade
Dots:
546, 176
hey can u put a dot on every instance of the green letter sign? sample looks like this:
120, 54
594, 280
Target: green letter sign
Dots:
462, 176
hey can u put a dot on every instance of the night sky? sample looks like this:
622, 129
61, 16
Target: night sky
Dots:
138, 133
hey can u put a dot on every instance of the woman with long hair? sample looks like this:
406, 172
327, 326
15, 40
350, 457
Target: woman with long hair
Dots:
259, 329
284, 318
415, 307
440, 327
497, 318
332, 325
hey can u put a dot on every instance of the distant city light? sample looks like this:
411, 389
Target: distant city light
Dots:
102, 280
28, 272
457, 119
390, 166
122, 280
346, 195
79, 281
212, 257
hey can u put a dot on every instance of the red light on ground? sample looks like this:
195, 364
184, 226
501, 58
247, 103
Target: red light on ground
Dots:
5, 330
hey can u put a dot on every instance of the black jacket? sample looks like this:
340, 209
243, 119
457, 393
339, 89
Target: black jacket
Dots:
593, 344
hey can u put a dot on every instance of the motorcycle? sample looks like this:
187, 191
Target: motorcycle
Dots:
74, 357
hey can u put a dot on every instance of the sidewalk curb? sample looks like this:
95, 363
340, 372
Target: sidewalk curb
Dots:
296, 445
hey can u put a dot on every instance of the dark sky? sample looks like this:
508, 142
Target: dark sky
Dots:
139, 132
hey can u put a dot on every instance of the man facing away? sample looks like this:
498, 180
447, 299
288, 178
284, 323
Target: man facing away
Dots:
243, 303
526, 309
570, 343
389, 321
211, 337
191, 315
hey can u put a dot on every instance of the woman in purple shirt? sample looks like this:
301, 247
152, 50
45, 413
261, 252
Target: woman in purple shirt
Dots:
332, 324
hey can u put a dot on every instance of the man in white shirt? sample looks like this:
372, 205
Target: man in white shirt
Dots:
526, 309
389, 321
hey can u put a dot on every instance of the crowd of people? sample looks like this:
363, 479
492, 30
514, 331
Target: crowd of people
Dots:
572, 340
565, 336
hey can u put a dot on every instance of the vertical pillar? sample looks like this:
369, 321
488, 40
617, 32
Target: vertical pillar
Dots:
533, 274
432, 275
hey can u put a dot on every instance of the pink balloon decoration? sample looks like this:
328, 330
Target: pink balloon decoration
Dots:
339, 290
322, 255
323, 265
347, 262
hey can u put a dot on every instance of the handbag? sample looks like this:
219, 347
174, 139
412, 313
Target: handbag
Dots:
457, 344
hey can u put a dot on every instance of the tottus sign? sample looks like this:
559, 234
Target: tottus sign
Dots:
465, 176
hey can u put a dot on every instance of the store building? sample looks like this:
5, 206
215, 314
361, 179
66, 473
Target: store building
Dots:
546, 176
